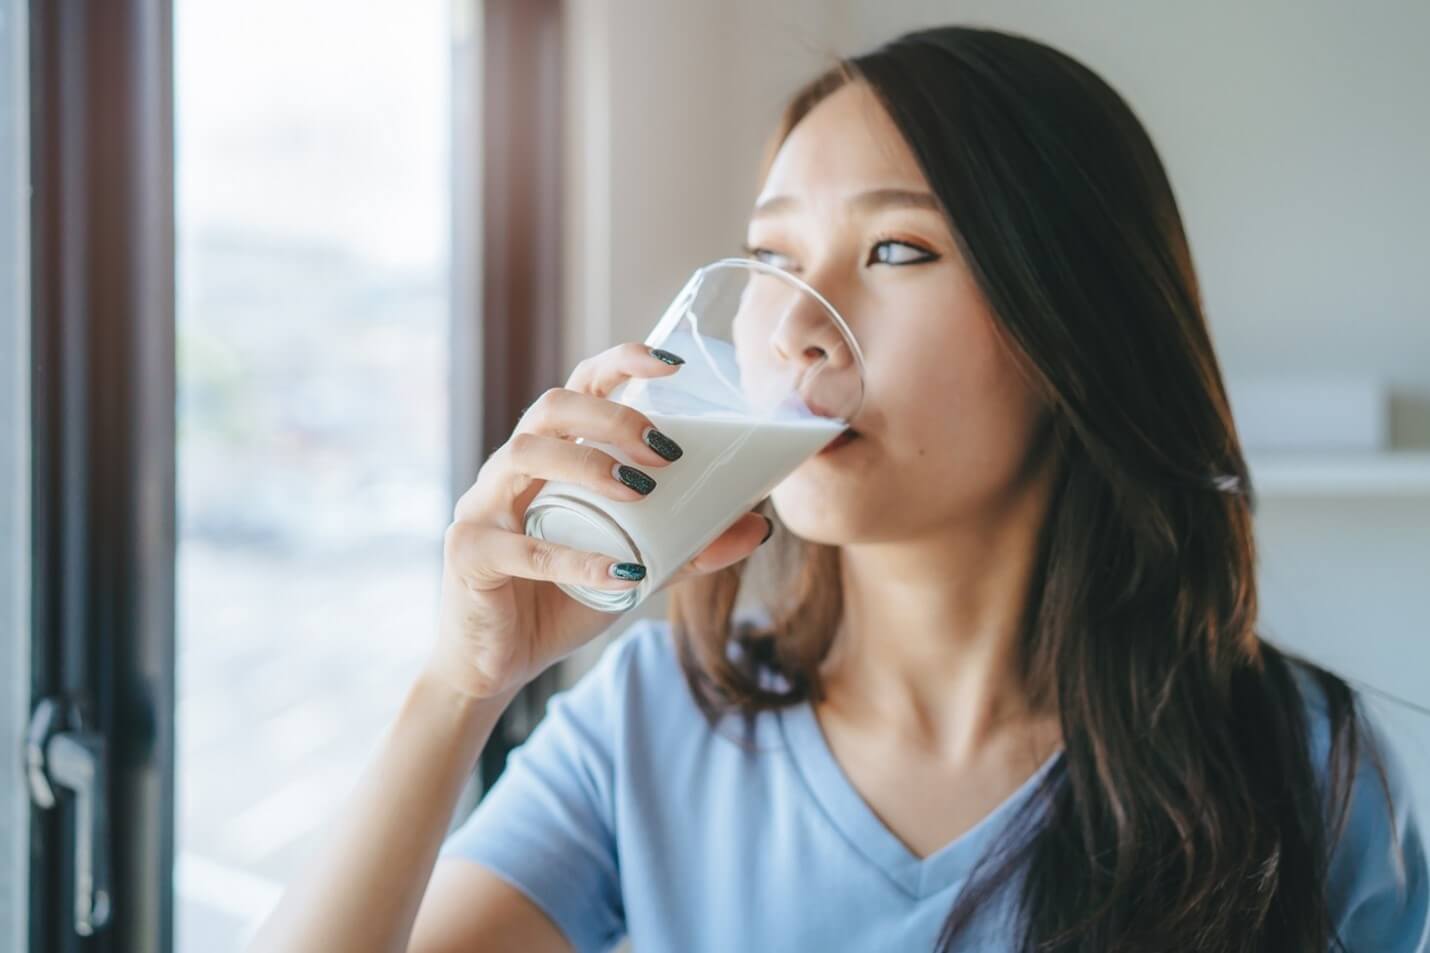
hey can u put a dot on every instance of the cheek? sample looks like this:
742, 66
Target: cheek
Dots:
957, 399
934, 377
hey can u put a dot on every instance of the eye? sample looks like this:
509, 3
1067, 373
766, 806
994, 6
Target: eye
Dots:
772, 257
891, 251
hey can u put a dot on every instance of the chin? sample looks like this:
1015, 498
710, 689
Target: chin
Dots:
822, 511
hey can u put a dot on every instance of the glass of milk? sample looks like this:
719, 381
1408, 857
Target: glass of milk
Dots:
771, 376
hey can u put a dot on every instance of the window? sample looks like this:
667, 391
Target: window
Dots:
312, 198
255, 382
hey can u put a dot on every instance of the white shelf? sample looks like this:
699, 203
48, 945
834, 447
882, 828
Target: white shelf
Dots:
1393, 473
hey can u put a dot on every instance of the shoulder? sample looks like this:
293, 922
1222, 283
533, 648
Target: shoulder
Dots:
645, 659
1380, 792
1377, 762
646, 696
637, 677
1378, 881
640, 658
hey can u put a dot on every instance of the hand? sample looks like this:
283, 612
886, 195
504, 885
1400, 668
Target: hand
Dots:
502, 619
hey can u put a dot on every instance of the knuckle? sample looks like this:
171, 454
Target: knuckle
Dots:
632, 349
593, 569
629, 419
521, 446
541, 408
492, 467
583, 368
465, 500
541, 557
454, 539
594, 462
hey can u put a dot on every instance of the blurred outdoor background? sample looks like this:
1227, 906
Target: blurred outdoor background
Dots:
313, 214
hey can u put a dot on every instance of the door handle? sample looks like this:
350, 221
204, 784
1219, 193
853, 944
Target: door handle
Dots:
76, 760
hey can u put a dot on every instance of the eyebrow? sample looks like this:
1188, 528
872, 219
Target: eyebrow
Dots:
865, 202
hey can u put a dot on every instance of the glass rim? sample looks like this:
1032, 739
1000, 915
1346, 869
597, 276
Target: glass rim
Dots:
800, 284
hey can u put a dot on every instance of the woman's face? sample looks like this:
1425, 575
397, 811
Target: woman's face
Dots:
949, 426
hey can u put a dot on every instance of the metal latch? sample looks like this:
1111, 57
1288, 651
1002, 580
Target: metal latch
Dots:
59, 752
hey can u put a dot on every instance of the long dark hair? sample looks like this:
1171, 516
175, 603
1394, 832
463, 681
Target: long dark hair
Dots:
1185, 812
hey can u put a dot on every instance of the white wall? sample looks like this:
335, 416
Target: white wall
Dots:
671, 102
1297, 139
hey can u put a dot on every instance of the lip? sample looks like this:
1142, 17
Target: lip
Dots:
843, 440
816, 408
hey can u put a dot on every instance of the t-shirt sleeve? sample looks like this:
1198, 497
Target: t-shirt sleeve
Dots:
546, 825
1379, 885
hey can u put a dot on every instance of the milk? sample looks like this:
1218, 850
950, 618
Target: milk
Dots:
730, 464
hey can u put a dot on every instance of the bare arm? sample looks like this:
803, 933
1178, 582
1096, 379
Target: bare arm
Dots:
363, 892
469, 909
501, 622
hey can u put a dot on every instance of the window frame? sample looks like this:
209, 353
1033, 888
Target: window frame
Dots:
508, 135
102, 392
103, 466
14, 472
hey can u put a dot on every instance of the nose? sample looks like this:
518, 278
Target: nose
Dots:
807, 334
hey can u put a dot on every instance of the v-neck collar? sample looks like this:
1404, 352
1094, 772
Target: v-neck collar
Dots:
857, 822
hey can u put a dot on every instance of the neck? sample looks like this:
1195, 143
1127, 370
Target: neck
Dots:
929, 645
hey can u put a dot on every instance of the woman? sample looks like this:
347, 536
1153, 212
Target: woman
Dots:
1010, 695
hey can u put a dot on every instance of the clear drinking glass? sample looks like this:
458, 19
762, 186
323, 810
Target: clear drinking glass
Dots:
772, 375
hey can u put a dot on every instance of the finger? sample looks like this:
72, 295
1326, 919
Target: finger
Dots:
485, 557
569, 414
530, 456
603, 373
512, 476
736, 543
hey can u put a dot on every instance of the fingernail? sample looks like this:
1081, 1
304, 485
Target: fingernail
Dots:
631, 572
663, 445
633, 478
674, 360
769, 532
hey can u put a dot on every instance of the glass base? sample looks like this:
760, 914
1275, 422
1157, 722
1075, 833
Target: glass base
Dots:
573, 522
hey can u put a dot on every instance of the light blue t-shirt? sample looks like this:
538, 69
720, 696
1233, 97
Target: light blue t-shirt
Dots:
625, 814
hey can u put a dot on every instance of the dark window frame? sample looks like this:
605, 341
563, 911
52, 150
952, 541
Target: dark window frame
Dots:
103, 473
103, 522
506, 312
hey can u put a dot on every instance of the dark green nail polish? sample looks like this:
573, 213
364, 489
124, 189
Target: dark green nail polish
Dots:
674, 360
631, 572
663, 445
635, 479
769, 532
